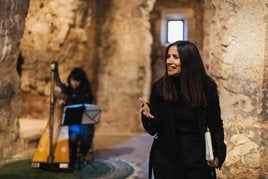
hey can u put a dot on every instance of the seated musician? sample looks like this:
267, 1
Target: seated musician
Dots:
77, 91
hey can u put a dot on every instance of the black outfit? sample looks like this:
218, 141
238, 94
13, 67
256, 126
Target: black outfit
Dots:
78, 133
178, 150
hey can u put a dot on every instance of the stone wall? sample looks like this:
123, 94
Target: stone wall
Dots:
56, 30
124, 49
102, 36
237, 59
12, 15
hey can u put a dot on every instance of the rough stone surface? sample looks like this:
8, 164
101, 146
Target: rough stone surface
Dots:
237, 41
56, 30
124, 70
12, 15
110, 47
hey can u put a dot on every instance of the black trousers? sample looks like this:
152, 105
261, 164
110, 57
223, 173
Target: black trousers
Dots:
83, 134
166, 167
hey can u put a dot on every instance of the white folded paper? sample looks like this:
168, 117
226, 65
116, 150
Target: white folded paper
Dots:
209, 148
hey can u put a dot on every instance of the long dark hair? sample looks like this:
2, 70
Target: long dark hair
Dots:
193, 77
80, 75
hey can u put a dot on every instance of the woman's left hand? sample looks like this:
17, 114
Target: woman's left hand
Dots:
214, 163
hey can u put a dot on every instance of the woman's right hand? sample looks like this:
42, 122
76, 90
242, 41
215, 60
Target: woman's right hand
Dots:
61, 102
145, 110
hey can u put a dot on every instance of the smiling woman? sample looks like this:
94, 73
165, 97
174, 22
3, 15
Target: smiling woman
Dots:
173, 61
183, 103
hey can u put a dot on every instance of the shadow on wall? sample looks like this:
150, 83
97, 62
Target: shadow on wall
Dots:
20, 62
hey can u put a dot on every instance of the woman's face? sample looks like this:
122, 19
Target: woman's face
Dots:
74, 83
173, 62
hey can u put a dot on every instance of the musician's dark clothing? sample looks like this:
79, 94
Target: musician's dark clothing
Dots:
178, 150
78, 133
76, 96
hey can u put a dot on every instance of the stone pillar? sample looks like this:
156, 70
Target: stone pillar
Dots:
12, 16
264, 113
238, 60
124, 63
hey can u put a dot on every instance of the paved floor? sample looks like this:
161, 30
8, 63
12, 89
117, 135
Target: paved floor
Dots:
132, 149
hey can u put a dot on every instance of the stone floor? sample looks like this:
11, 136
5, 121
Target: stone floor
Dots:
132, 149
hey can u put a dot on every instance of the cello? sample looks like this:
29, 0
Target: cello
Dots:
53, 148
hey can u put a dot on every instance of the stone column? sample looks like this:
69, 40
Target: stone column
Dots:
124, 63
238, 60
12, 16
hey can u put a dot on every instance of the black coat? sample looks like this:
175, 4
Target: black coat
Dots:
163, 124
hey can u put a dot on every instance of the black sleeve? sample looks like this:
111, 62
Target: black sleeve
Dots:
215, 124
88, 98
151, 125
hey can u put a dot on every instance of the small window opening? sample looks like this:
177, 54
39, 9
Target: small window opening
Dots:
174, 26
175, 30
